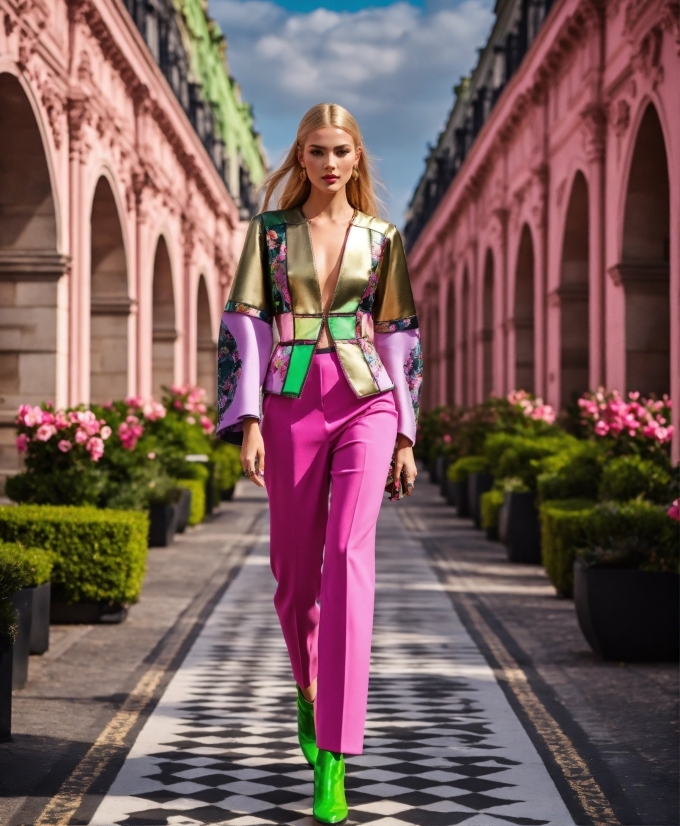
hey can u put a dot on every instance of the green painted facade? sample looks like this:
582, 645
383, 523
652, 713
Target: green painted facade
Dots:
206, 47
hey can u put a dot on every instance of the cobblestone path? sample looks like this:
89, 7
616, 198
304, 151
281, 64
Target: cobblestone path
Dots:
443, 746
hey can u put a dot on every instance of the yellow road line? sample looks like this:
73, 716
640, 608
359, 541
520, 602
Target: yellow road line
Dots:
573, 767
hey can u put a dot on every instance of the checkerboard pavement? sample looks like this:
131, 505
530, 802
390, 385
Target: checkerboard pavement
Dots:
443, 745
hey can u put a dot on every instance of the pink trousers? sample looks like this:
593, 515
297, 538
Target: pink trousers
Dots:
323, 554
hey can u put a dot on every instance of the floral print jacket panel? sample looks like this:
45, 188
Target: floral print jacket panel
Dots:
372, 319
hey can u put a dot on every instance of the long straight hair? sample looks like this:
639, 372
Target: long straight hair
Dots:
294, 191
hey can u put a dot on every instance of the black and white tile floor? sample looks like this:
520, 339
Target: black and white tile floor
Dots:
443, 745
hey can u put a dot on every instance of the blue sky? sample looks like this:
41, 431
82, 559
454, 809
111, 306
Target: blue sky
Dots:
392, 64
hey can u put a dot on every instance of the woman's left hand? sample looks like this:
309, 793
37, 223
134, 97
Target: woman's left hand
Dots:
405, 465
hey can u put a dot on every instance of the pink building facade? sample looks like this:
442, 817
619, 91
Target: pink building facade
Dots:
118, 235
551, 261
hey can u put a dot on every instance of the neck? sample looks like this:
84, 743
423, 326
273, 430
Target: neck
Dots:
332, 206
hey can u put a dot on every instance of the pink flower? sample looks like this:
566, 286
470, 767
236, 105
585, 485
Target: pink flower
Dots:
674, 510
45, 432
64, 445
60, 420
95, 446
105, 432
206, 424
191, 420
21, 442
601, 428
447, 438
151, 455
33, 417
129, 432
81, 437
664, 434
153, 410
177, 404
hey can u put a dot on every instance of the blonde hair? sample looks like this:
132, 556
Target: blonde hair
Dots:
294, 192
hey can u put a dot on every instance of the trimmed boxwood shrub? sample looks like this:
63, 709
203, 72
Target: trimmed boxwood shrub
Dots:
522, 457
99, 555
572, 473
490, 504
228, 468
15, 574
563, 529
36, 563
627, 477
462, 468
197, 488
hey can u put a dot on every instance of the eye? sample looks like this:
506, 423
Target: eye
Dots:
342, 152
316, 152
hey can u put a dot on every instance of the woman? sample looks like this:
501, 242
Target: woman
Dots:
341, 399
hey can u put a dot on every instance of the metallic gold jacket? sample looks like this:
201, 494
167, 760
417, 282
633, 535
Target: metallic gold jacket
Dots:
371, 320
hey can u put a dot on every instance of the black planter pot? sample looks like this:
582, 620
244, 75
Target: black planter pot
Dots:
461, 494
492, 534
451, 493
40, 625
478, 483
522, 528
502, 522
227, 495
439, 470
628, 615
86, 613
183, 510
23, 605
444, 480
6, 663
432, 470
163, 524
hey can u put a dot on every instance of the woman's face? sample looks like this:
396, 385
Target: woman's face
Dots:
328, 156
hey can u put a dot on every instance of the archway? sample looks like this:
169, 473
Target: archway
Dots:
164, 321
524, 314
573, 295
109, 300
206, 349
451, 344
645, 267
28, 256
487, 325
464, 344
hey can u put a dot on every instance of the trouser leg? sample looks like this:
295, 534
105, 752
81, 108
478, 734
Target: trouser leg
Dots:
360, 457
297, 481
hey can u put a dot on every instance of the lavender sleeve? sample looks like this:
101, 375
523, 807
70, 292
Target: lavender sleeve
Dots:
400, 352
243, 352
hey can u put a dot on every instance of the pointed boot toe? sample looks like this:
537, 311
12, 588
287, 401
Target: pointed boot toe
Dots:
306, 728
330, 805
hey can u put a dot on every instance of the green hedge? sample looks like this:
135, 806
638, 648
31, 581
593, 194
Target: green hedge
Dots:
628, 477
490, 504
462, 468
197, 488
228, 468
572, 473
523, 455
99, 555
12, 579
563, 531
36, 563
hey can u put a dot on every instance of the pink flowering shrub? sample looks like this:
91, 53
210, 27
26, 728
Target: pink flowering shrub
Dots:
674, 510
532, 406
632, 425
189, 402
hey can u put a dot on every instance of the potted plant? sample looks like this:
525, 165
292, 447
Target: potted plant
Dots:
12, 579
479, 482
163, 513
490, 506
183, 509
626, 582
520, 526
458, 474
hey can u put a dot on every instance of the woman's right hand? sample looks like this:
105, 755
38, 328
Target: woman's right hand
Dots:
252, 452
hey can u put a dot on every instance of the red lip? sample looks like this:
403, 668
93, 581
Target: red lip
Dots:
331, 178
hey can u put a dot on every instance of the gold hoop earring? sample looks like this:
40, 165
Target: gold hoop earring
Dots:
303, 174
355, 172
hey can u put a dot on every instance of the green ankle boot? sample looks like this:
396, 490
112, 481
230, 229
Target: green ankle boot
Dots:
306, 728
330, 805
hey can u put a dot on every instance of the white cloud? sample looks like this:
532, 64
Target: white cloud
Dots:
393, 66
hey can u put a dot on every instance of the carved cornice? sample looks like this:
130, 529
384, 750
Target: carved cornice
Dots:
112, 305
33, 265
641, 277
594, 127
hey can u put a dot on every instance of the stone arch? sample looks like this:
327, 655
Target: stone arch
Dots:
523, 313
573, 295
164, 321
451, 343
467, 395
206, 347
645, 261
487, 333
30, 266
109, 299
